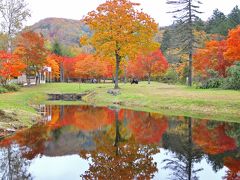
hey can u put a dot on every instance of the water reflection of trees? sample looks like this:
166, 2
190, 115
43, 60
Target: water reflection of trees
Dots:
122, 157
220, 142
120, 144
185, 153
12, 164
192, 140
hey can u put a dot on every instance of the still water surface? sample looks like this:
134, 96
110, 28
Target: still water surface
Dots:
85, 142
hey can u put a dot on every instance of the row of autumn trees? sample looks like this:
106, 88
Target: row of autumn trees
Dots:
123, 40
218, 54
31, 56
217, 63
202, 48
124, 45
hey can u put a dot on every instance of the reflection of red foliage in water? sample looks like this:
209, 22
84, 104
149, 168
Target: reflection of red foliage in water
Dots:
213, 141
147, 127
85, 118
234, 168
31, 141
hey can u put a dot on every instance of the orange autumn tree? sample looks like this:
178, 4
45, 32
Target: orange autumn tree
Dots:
92, 66
233, 45
31, 50
120, 31
52, 61
211, 57
218, 55
153, 63
10, 67
69, 64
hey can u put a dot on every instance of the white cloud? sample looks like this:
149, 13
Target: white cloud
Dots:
76, 9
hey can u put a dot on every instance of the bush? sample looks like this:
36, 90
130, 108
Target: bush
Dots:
233, 79
211, 83
170, 76
3, 90
12, 87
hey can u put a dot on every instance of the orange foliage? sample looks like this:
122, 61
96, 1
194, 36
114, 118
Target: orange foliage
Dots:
233, 45
147, 128
147, 65
69, 65
31, 50
52, 61
218, 55
120, 30
84, 117
217, 140
234, 168
10, 66
211, 57
90, 66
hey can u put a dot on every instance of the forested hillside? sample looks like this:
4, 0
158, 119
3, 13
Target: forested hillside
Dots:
65, 31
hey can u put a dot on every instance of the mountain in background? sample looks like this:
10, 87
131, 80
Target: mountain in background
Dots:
65, 31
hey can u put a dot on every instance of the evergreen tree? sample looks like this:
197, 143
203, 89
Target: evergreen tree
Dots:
186, 12
217, 24
234, 18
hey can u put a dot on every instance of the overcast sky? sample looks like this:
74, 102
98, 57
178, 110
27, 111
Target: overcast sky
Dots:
76, 9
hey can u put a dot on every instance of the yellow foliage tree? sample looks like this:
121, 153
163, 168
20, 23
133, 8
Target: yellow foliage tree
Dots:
121, 31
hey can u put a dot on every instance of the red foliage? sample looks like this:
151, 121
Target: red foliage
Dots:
147, 65
147, 128
31, 50
92, 66
234, 168
211, 57
218, 55
84, 117
69, 67
213, 141
53, 62
233, 45
10, 66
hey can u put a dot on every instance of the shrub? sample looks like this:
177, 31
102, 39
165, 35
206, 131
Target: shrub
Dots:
12, 87
211, 83
3, 90
170, 76
233, 79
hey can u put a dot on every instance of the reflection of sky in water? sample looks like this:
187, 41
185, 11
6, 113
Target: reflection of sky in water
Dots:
206, 173
58, 168
163, 174
75, 130
71, 167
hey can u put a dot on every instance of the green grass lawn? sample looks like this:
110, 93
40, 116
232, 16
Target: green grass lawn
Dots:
156, 97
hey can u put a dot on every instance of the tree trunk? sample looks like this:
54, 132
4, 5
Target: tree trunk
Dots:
190, 70
28, 80
190, 43
189, 166
118, 58
9, 47
61, 73
118, 136
125, 74
9, 41
149, 78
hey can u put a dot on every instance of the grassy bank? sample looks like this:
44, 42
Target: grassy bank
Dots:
157, 97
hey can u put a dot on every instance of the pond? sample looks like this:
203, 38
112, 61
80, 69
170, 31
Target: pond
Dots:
85, 142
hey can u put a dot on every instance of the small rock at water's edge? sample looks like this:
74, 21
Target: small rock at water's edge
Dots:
114, 92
